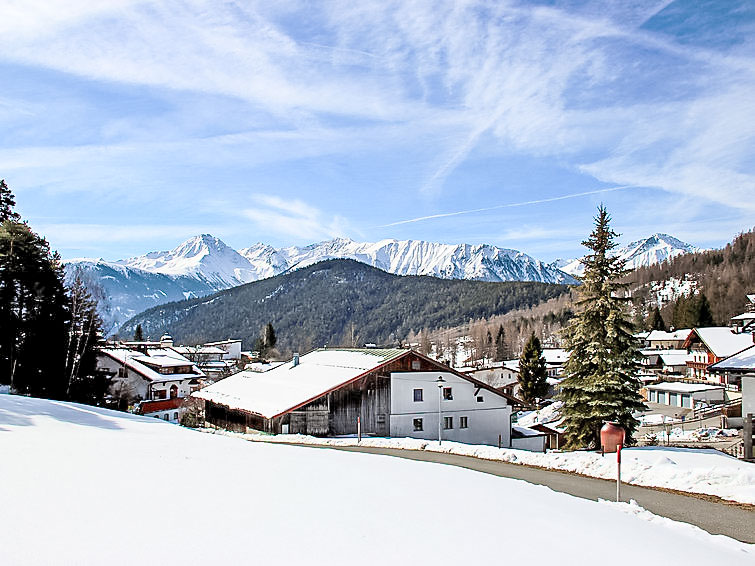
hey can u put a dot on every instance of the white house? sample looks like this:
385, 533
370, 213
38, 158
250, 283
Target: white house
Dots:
711, 345
684, 395
386, 392
743, 366
232, 348
153, 380
662, 340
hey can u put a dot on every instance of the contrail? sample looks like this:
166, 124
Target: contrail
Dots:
510, 205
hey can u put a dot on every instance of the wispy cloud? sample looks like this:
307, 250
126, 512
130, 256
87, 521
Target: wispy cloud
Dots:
293, 218
502, 206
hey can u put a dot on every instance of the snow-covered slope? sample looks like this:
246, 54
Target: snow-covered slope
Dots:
204, 264
654, 249
83, 485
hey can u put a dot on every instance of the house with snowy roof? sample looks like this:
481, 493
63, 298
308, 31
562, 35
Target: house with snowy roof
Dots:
711, 345
745, 322
152, 379
382, 392
740, 367
662, 340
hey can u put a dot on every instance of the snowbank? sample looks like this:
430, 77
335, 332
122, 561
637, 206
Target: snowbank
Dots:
705, 471
82, 485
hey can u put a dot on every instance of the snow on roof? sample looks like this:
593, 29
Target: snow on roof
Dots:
751, 298
743, 361
183, 350
555, 355
744, 316
274, 392
722, 341
675, 357
523, 431
162, 357
679, 387
662, 335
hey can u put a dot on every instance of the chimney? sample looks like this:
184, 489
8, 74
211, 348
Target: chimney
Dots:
295, 361
166, 341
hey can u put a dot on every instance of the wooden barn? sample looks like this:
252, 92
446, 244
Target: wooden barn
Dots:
393, 392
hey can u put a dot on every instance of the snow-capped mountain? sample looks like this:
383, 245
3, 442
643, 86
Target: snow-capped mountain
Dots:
654, 249
204, 264
415, 257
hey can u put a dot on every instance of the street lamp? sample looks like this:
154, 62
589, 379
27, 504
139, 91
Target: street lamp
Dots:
440, 381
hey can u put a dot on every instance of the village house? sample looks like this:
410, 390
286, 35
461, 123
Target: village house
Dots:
658, 362
662, 340
711, 345
745, 322
684, 395
382, 392
230, 347
741, 365
150, 378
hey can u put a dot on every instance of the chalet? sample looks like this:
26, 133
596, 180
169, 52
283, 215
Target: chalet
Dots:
684, 395
662, 340
656, 362
711, 345
741, 365
745, 322
391, 392
230, 347
152, 380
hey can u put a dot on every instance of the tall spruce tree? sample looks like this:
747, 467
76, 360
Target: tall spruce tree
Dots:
601, 383
501, 348
33, 309
655, 320
269, 337
138, 334
532, 371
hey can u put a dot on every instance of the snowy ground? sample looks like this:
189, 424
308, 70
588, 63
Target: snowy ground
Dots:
82, 485
704, 471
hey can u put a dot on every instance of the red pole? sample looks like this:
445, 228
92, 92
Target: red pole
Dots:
618, 473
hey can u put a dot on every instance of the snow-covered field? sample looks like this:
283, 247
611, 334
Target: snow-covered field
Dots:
705, 471
82, 485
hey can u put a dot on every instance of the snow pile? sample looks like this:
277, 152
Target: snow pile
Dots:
548, 414
705, 471
678, 434
83, 485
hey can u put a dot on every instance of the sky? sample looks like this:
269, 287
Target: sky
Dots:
130, 126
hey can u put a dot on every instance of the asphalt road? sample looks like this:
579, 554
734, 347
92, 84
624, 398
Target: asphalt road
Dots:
716, 518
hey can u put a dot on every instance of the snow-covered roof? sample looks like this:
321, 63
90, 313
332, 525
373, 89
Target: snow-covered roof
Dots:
259, 367
744, 361
722, 341
274, 392
675, 357
161, 357
555, 355
198, 350
679, 387
523, 431
751, 298
658, 335
744, 316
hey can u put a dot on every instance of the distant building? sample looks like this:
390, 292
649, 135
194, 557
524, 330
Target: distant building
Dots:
684, 395
391, 392
151, 379
662, 340
231, 348
741, 365
745, 322
711, 345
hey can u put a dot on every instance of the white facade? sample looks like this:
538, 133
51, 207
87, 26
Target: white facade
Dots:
748, 394
469, 414
684, 395
232, 348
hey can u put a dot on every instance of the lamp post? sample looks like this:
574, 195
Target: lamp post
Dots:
440, 381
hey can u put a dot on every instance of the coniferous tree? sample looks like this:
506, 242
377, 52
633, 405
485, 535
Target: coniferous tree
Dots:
138, 334
655, 320
269, 338
33, 310
501, 348
601, 383
532, 371
7, 204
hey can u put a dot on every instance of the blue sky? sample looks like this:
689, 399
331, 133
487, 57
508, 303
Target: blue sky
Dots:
129, 126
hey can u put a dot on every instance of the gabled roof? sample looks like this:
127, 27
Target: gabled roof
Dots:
721, 340
288, 386
161, 357
657, 335
743, 362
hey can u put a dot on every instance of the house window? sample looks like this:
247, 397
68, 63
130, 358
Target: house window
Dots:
417, 395
447, 394
480, 399
175, 416
448, 423
417, 425
121, 372
173, 391
463, 423
416, 364
166, 416
158, 393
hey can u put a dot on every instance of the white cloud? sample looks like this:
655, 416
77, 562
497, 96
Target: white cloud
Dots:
293, 218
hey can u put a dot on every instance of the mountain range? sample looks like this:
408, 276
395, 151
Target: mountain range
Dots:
204, 264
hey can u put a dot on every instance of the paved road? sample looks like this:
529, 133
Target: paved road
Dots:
716, 518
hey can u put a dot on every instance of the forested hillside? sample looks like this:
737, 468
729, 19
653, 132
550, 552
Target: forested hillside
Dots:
725, 276
338, 302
